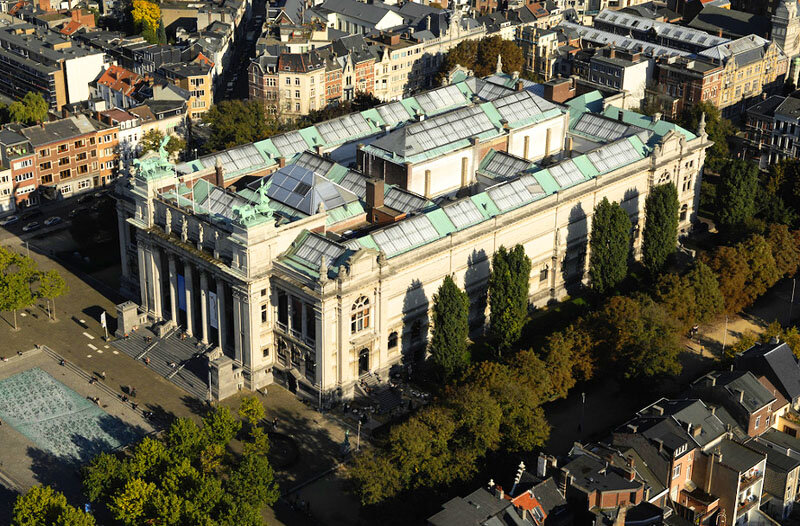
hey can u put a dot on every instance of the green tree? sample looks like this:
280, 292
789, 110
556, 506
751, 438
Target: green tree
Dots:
161, 32
235, 122
220, 426
736, 194
376, 476
610, 245
32, 109
708, 300
449, 350
17, 273
42, 506
151, 141
660, 228
128, 507
719, 130
481, 56
361, 102
677, 296
252, 410
785, 249
51, 286
508, 296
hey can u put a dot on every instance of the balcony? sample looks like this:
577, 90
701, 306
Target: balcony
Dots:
746, 506
749, 479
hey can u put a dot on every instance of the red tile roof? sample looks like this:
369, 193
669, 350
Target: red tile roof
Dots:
120, 79
71, 27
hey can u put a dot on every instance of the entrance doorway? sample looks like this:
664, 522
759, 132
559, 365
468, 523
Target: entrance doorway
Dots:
363, 362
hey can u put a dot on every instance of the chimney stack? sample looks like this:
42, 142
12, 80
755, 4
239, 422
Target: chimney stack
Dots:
281, 162
219, 174
519, 85
374, 195
541, 466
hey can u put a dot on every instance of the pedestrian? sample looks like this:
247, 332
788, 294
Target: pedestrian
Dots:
103, 375
62, 362
147, 360
133, 392
275, 424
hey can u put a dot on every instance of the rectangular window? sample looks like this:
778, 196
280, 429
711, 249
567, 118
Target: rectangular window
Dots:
66, 189
45, 166
24, 177
81, 156
311, 322
23, 164
44, 153
46, 179
297, 315
63, 148
676, 471
82, 169
758, 421
63, 161
79, 144
264, 313
63, 174
283, 308
84, 184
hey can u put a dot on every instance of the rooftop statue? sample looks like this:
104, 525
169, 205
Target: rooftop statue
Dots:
154, 165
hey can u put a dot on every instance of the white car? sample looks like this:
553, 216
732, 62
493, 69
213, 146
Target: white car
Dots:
10, 220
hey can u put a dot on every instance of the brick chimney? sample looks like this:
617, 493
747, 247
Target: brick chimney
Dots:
281, 162
630, 472
519, 85
374, 195
219, 174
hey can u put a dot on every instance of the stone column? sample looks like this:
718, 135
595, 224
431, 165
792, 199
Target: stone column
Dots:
142, 276
187, 281
173, 290
123, 244
221, 312
157, 297
237, 325
203, 307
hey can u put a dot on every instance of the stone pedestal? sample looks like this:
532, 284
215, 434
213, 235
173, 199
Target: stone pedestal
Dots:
127, 318
223, 383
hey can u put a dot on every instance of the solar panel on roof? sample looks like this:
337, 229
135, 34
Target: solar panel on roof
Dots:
314, 247
405, 234
290, 143
566, 173
504, 165
613, 156
463, 213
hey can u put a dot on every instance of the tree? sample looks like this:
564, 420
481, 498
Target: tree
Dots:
17, 272
129, 506
235, 122
161, 32
717, 128
32, 109
508, 296
449, 349
220, 426
151, 141
146, 16
609, 242
736, 194
376, 476
481, 56
660, 228
51, 286
362, 101
252, 410
677, 296
785, 249
41, 506
708, 300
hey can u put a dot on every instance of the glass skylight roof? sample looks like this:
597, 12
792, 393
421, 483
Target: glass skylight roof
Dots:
447, 128
463, 213
532, 186
315, 163
338, 130
435, 100
492, 91
405, 234
403, 201
504, 165
521, 105
566, 173
236, 159
314, 247
510, 195
393, 113
290, 143
356, 183
220, 202
300, 189
613, 156
598, 126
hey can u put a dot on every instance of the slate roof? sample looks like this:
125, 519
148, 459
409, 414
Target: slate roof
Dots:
781, 439
790, 107
775, 459
755, 396
737, 456
591, 475
777, 362
61, 130
733, 23
767, 107
476, 509
372, 13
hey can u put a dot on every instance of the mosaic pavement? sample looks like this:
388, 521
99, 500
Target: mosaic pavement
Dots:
57, 419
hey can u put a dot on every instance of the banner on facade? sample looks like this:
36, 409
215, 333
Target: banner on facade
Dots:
212, 310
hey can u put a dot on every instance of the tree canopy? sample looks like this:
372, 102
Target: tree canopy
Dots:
481, 56
449, 350
41, 506
151, 141
610, 245
508, 296
32, 109
718, 129
661, 227
362, 101
235, 122
147, 21
736, 194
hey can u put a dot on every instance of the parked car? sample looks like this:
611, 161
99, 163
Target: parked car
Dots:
50, 221
30, 214
10, 220
34, 225
75, 211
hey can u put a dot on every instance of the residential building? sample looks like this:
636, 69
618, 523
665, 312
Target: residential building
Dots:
45, 62
772, 130
680, 82
479, 507
325, 273
620, 70
117, 87
355, 17
780, 481
197, 78
737, 476
740, 392
786, 34
18, 154
7, 201
775, 361
129, 135
301, 84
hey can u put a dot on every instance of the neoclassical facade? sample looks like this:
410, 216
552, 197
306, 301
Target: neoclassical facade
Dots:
316, 274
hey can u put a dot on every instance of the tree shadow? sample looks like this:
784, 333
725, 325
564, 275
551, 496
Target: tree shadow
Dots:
7, 500
161, 417
195, 405
573, 262
476, 284
415, 322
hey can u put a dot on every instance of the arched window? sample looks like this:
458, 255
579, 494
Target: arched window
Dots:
393, 340
359, 318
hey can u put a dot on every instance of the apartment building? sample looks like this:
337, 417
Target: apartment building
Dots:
42, 61
130, 133
197, 78
609, 68
117, 86
17, 154
301, 84
680, 82
772, 129
61, 158
7, 201
355, 17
